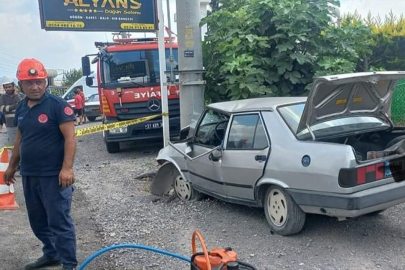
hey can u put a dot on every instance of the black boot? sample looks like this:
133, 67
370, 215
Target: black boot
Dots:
44, 261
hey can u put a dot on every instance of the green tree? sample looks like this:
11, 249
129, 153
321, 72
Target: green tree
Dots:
275, 47
71, 76
387, 42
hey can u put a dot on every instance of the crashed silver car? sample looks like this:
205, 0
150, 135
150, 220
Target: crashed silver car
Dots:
335, 153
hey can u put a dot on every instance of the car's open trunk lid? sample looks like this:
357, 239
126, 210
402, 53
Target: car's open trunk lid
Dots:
347, 95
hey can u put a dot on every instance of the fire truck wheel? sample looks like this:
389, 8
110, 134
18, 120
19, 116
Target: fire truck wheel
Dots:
112, 147
284, 216
184, 190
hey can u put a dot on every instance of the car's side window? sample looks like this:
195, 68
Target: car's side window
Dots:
260, 137
211, 130
247, 133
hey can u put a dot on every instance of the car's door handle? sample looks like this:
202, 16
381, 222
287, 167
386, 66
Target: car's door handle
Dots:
260, 158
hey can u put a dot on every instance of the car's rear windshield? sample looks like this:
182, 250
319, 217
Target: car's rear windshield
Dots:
292, 116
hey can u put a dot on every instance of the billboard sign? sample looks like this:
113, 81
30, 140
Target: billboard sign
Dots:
99, 15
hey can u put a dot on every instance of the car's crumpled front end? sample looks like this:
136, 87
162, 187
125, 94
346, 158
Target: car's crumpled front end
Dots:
172, 159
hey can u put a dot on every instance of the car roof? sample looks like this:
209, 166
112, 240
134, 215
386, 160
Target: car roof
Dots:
254, 104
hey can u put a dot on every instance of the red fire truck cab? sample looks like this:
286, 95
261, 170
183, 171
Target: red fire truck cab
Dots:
128, 79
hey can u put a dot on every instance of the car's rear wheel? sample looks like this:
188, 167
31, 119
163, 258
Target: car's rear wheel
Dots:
284, 216
92, 118
184, 190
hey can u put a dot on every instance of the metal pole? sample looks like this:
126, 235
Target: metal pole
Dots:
170, 40
190, 60
162, 64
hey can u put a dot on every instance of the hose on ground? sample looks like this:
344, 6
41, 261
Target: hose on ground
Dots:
104, 250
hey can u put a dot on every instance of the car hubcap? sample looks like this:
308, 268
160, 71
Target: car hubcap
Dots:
182, 188
277, 206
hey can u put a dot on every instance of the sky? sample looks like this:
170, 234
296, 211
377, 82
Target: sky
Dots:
21, 35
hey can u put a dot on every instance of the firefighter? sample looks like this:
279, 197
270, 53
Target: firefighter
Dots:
8, 103
46, 145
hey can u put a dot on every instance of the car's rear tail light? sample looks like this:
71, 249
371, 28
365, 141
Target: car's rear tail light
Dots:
362, 175
106, 107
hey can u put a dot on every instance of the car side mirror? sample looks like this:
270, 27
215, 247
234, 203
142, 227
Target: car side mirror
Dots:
184, 133
216, 154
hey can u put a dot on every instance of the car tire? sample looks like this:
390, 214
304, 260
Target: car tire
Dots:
113, 147
92, 118
283, 215
184, 190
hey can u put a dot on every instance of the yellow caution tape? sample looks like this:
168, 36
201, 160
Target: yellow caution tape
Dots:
103, 127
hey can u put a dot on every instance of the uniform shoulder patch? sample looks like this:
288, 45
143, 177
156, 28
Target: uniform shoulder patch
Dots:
68, 111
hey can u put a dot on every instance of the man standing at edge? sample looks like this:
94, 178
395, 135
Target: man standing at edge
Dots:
8, 103
46, 145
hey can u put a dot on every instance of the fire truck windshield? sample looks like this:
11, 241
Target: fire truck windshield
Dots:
135, 68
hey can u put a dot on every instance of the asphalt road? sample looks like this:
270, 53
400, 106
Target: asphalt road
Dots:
111, 207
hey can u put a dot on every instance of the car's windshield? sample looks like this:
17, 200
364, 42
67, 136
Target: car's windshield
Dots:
139, 67
292, 116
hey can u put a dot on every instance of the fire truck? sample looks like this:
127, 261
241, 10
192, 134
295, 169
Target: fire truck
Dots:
128, 80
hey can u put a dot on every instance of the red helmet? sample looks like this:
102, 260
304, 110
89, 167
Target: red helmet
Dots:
31, 69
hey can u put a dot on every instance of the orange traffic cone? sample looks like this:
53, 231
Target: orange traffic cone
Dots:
7, 199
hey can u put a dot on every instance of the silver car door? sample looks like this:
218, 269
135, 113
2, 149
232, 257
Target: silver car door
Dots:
245, 155
204, 173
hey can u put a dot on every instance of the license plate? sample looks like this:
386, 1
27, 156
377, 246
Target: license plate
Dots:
153, 125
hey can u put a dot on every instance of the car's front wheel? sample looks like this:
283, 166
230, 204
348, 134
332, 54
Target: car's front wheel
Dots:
284, 216
184, 190
92, 118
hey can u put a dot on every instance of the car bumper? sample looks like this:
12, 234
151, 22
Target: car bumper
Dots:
89, 111
93, 114
350, 205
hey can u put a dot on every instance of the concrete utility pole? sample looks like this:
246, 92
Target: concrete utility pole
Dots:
190, 60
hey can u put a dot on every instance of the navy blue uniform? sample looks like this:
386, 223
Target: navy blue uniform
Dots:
42, 154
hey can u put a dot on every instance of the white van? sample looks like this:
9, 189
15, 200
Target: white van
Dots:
69, 96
